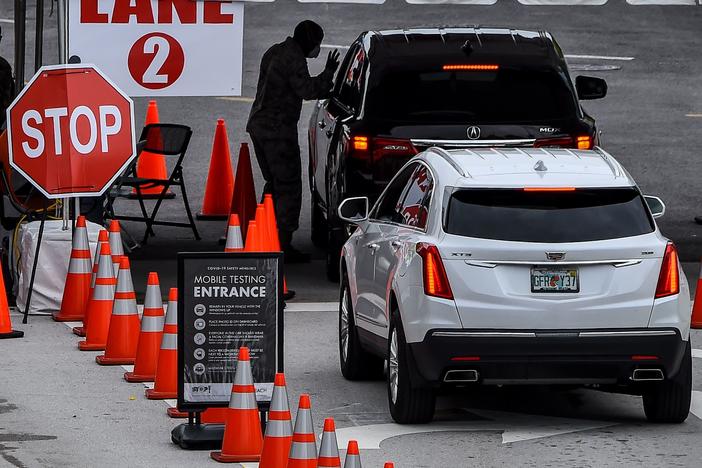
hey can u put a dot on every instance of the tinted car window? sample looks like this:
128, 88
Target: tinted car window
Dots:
414, 202
350, 89
533, 216
506, 96
389, 204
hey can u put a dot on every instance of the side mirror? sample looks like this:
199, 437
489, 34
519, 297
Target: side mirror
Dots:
589, 87
656, 206
354, 210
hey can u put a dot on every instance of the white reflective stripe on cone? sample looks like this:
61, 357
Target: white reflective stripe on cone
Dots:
124, 282
243, 373
172, 313
124, 307
279, 400
329, 448
80, 266
279, 428
105, 267
352, 461
151, 324
116, 243
303, 451
243, 401
303, 422
80, 239
234, 240
169, 341
103, 292
153, 297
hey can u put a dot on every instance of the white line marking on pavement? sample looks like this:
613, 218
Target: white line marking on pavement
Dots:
694, 115
7, 20
311, 306
697, 353
696, 404
236, 98
515, 428
599, 57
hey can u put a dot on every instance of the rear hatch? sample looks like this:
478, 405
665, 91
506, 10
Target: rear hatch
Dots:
563, 259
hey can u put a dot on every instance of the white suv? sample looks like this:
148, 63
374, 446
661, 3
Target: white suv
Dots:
514, 266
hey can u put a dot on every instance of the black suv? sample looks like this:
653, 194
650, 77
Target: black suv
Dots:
399, 92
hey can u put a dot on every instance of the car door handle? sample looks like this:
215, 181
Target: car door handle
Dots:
396, 244
322, 124
373, 247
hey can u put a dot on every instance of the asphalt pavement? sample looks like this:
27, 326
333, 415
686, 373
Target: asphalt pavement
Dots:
58, 408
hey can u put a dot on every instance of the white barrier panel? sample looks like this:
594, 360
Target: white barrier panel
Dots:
662, 2
562, 2
455, 2
374, 2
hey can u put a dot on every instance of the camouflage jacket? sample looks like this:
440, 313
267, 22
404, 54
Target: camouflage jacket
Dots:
7, 88
284, 81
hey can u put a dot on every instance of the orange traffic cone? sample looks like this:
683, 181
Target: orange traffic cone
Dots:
150, 335
353, 456
328, 449
6, 330
219, 187
697, 305
100, 305
303, 451
262, 228
272, 224
244, 195
389, 465
116, 247
76, 291
103, 238
276, 443
252, 243
123, 334
166, 381
242, 432
150, 165
234, 240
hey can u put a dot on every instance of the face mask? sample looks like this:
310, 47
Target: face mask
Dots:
314, 53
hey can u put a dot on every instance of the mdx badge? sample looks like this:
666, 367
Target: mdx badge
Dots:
555, 256
549, 130
473, 132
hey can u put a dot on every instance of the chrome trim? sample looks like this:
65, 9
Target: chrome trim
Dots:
653, 375
474, 143
491, 334
447, 157
469, 375
551, 333
602, 334
494, 263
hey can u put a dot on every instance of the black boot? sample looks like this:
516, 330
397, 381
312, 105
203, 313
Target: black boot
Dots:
290, 253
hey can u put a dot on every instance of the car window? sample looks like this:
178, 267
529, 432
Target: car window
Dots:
388, 206
414, 202
577, 215
349, 91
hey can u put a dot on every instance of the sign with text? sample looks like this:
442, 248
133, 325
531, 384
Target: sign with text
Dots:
227, 300
161, 47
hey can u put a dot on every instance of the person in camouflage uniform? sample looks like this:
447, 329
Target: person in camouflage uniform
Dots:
7, 87
284, 81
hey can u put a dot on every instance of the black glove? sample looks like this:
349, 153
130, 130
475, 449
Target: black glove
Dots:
332, 61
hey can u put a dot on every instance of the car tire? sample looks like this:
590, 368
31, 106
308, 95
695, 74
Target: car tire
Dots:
408, 404
355, 362
318, 223
669, 401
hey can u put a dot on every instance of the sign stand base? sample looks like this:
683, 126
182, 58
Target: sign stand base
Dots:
194, 435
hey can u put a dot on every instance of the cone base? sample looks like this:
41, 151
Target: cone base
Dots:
222, 458
176, 414
212, 217
152, 196
85, 346
80, 331
58, 317
198, 436
136, 378
289, 294
153, 394
11, 334
109, 361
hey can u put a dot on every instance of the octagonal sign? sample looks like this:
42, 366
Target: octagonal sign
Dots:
71, 131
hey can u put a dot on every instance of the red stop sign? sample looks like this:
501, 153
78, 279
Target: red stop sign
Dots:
71, 131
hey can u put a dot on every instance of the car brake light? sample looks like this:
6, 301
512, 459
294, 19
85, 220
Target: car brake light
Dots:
549, 189
643, 357
378, 148
559, 142
435, 280
470, 67
669, 277
360, 143
584, 142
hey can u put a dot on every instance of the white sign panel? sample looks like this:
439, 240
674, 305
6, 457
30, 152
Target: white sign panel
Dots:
161, 47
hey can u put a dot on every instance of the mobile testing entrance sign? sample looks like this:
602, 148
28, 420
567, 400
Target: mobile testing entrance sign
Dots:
161, 47
227, 300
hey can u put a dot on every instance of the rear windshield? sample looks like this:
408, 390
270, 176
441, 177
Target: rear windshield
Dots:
503, 96
533, 216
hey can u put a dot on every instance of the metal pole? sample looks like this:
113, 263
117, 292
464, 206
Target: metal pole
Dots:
30, 289
61, 17
20, 26
39, 36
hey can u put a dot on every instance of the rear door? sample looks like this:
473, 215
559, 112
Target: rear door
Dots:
574, 258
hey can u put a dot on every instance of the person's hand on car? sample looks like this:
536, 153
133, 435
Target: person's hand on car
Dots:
332, 61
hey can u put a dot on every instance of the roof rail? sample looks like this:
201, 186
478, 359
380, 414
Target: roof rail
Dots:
447, 157
616, 169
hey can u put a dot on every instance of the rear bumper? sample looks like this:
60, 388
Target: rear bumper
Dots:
547, 356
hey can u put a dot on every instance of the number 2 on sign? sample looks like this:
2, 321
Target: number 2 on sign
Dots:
156, 60
159, 47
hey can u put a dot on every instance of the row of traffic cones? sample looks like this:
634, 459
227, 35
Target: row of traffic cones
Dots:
281, 446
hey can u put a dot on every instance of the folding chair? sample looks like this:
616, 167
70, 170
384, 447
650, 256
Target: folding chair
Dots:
168, 140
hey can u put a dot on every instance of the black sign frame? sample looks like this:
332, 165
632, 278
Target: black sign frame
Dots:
182, 258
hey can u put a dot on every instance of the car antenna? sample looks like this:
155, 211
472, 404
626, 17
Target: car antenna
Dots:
540, 166
467, 48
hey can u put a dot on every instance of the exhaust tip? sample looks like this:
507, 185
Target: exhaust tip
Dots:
461, 376
647, 375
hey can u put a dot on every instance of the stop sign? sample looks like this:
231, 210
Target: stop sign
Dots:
71, 131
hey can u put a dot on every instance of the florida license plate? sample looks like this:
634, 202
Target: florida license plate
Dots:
554, 280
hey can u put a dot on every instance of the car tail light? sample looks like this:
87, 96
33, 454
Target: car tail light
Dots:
669, 278
435, 280
549, 189
470, 67
583, 142
378, 148
643, 357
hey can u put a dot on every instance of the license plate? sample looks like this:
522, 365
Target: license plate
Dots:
563, 280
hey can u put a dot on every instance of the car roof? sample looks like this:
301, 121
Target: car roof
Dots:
445, 45
528, 167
